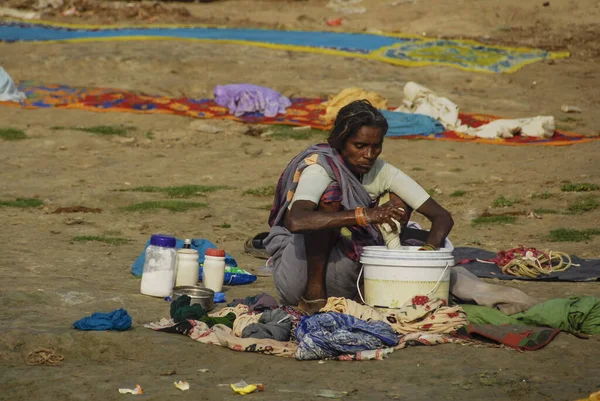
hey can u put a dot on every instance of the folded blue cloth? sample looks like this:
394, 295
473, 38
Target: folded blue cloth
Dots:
331, 334
404, 124
219, 297
115, 320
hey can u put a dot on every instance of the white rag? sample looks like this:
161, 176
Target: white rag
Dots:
8, 89
421, 100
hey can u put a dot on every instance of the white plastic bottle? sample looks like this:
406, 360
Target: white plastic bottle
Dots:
187, 267
159, 266
213, 272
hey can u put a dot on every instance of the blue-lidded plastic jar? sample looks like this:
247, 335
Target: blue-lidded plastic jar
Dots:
159, 266
165, 241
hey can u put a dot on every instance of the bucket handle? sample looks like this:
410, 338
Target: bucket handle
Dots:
434, 289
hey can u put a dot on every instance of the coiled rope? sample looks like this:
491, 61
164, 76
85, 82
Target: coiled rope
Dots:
530, 262
44, 356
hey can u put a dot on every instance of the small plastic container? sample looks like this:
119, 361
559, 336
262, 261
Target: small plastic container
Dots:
159, 266
187, 267
213, 272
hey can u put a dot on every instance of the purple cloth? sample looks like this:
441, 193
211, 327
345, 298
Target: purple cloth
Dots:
247, 98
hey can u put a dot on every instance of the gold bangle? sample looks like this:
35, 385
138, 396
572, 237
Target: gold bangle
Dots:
359, 215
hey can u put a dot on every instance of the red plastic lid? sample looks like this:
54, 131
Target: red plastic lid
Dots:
215, 252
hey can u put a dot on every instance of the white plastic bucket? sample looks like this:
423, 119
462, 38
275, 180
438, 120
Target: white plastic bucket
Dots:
394, 276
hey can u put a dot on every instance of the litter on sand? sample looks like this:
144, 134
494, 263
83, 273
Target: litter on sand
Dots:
244, 388
181, 385
203, 370
135, 391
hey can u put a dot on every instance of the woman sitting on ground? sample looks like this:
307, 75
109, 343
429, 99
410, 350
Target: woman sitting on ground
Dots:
333, 186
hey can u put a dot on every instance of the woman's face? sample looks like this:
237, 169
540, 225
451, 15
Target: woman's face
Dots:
362, 149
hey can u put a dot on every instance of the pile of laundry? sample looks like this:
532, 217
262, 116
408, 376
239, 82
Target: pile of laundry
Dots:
342, 330
346, 330
423, 112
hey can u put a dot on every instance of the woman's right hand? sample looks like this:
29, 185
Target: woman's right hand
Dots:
385, 213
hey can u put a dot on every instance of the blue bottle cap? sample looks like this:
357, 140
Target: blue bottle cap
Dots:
166, 241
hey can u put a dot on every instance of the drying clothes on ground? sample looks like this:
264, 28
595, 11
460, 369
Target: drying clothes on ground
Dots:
116, 320
8, 89
421, 100
256, 303
538, 127
181, 310
247, 318
468, 287
287, 249
420, 314
514, 336
274, 324
349, 95
243, 321
574, 315
246, 98
231, 338
331, 334
403, 124
223, 336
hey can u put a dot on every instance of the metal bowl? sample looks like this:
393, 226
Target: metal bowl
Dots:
199, 295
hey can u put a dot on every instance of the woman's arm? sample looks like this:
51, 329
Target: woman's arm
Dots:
305, 216
441, 221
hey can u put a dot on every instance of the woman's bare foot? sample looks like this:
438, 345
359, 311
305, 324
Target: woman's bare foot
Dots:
311, 306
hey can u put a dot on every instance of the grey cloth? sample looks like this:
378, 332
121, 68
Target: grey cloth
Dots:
290, 267
273, 324
468, 287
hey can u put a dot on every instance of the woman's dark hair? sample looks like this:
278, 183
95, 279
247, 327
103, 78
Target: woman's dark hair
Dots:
351, 118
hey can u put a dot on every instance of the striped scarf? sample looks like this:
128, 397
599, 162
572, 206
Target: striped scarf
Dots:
353, 194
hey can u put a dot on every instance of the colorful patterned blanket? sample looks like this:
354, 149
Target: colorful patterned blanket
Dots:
400, 49
303, 112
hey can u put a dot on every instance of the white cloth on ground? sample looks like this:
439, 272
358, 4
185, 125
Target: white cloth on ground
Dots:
8, 89
538, 127
421, 100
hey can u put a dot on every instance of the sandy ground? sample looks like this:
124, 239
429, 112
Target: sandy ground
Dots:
49, 281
